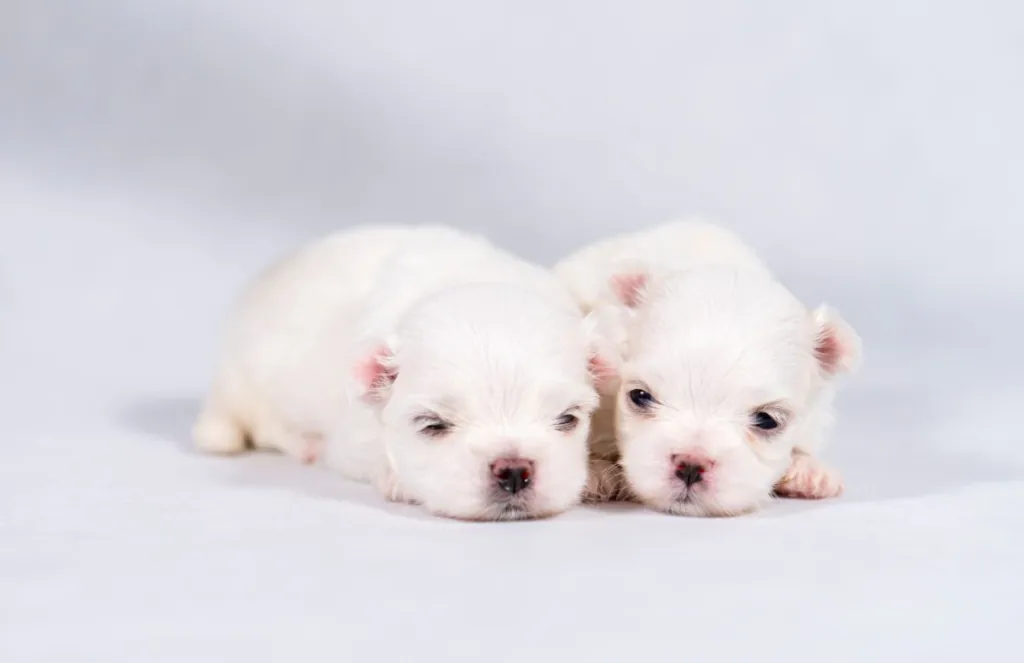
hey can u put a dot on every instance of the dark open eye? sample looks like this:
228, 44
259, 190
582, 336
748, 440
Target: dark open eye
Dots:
432, 426
765, 421
567, 422
641, 398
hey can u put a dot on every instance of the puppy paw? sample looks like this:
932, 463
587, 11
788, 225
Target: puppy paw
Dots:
310, 447
605, 483
807, 478
388, 486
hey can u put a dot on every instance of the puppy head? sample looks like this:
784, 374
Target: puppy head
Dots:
721, 375
485, 394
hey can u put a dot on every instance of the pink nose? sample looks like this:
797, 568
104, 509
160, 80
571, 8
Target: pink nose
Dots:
690, 468
513, 474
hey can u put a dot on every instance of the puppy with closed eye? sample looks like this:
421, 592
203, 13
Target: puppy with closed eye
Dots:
422, 360
727, 380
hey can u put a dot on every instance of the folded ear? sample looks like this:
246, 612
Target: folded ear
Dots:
629, 287
837, 347
603, 356
375, 372
603, 372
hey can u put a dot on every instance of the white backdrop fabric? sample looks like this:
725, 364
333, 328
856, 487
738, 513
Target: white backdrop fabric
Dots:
154, 155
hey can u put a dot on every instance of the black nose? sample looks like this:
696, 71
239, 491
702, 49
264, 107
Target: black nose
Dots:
690, 474
513, 479
512, 474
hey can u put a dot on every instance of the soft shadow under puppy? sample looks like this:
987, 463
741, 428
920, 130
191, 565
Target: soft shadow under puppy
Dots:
170, 419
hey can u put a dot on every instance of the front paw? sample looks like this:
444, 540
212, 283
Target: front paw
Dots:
807, 478
388, 486
311, 447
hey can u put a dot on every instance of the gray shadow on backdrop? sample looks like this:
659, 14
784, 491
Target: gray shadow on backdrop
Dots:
169, 420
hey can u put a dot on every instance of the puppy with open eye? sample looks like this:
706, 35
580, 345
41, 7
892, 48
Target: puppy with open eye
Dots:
727, 379
424, 361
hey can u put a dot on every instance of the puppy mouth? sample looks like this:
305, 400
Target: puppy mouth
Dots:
519, 505
514, 511
687, 501
702, 506
528, 506
496, 512
687, 505
505, 511
696, 504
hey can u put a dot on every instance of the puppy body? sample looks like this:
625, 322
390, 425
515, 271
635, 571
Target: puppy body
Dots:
422, 360
726, 385
591, 272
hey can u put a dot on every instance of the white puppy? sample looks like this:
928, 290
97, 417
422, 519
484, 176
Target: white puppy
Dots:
726, 383
422, 360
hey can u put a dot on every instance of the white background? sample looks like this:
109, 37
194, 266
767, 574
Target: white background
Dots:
154, 155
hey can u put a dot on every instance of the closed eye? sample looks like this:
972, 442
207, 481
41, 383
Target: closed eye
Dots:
568, 420
432, 425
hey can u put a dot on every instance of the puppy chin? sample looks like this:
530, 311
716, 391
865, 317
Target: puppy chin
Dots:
491, 505
504, 513
501, 512
710, 501
708, 506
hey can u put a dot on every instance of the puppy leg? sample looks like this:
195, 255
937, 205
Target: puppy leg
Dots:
216, 432
808, 478
311, 447
386, 483
605, 483
304, 445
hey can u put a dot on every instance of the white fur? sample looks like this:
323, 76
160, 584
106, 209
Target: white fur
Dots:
671, 246
340, 351
704, 327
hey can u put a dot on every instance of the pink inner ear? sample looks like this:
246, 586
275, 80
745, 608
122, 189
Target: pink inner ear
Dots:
627, 288
373, 372
602, 372
829, 350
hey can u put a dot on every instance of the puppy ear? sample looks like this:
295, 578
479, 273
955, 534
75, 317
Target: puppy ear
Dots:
603, 372
375, 372
837, 347
603, 359
628, 287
